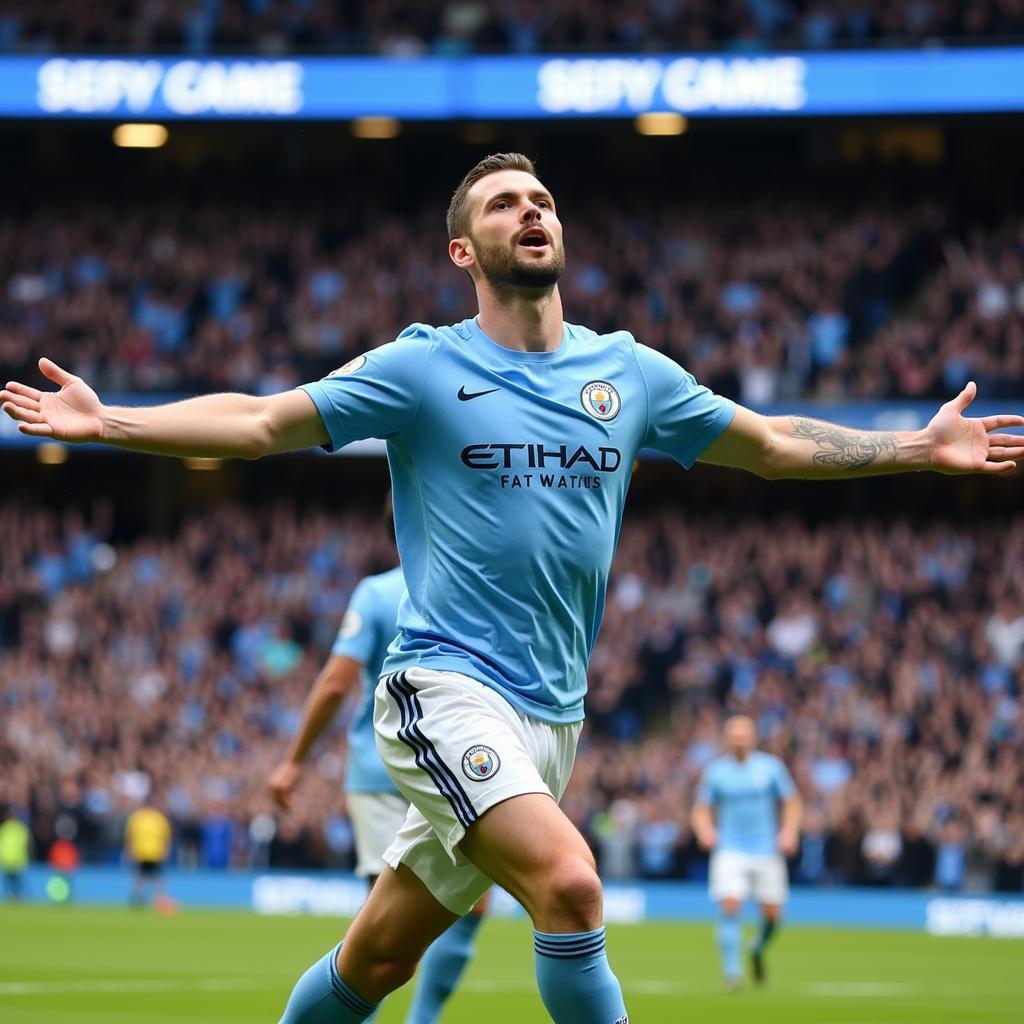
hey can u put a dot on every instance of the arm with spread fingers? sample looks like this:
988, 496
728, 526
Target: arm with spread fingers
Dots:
780, 447
212, 426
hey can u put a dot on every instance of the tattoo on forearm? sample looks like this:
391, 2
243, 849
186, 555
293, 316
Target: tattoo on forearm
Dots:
846, 449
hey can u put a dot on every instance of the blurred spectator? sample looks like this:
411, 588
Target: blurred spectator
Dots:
951, 856
812, 862
1009, 870
881, 848
917, 861
217, 838
518, 26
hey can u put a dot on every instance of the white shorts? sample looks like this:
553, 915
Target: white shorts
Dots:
748, 876
376, 819
455, 748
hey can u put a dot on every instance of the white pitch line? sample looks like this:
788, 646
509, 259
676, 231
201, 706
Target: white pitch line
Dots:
482, 985
861, 989
660, 987
648, 987
123, 986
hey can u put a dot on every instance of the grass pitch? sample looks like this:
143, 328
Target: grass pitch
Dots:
79, 965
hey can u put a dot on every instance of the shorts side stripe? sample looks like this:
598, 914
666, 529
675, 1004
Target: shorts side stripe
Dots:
427, 757
430, 751
425, 754
452, 778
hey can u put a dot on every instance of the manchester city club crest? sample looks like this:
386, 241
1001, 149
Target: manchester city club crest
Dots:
350, 367
351, 625
480, 762
601, 400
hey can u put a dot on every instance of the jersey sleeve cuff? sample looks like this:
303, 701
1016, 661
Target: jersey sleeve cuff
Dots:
318, 393
693, 451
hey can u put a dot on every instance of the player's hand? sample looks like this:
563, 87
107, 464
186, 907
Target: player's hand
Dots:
788, 843
282, 781
707, 838
74, 413
958, 444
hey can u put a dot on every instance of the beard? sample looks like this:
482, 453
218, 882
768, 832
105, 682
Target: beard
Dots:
504, 268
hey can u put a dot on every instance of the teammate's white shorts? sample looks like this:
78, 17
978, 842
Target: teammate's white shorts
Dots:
748, 876
376, 819
456, 748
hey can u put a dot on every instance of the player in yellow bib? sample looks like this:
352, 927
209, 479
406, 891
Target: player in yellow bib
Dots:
147, 839
15, 852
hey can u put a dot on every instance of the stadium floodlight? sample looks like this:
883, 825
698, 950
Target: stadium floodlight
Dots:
479, 133
52, 453
140, 136
661, 123
376, 127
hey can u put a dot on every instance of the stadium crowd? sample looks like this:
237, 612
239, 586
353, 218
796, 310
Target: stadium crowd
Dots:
765, 299
883, 661
510, 26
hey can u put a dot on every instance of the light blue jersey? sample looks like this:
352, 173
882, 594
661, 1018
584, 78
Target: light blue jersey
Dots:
509, 472
745, 796
366, 631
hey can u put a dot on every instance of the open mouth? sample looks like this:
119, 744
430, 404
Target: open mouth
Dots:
534, 238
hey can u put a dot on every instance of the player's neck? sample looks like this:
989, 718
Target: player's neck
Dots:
520, 320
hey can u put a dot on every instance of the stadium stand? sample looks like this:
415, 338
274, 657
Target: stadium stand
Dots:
885, 662
763, 299
516, 26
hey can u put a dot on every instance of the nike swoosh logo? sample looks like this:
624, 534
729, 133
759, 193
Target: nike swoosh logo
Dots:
468, 396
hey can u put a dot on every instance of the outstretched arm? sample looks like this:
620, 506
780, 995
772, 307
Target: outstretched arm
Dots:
789, 830
211, 426
777, 447
702, 820
336, 679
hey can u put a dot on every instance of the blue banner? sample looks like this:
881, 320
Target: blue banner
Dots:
324, 88
340, 895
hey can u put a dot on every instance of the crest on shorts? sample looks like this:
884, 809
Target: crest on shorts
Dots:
601, 400
350, 367
480, 762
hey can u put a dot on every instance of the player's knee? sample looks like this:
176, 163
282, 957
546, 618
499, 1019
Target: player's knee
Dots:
388, 974
573, 895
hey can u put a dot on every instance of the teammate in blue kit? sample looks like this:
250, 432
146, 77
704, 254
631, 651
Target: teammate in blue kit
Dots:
376, 808
737, 816
510, 438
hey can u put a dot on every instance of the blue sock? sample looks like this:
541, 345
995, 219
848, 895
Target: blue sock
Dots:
729, 941
321, 997
575, 981
440, 969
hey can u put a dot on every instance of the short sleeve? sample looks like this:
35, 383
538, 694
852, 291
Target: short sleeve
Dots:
376, 394
357, 637
706, 788
784, 784
684, 417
